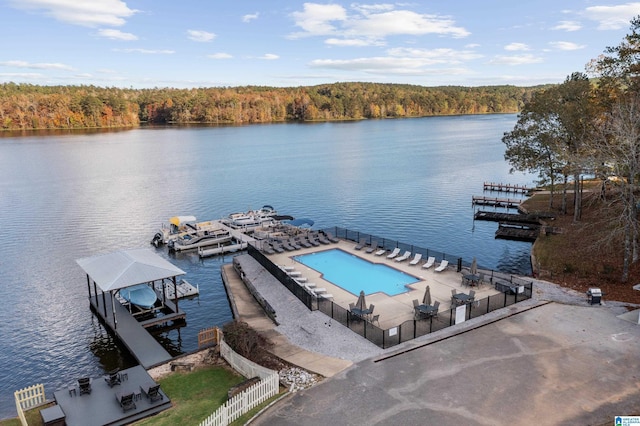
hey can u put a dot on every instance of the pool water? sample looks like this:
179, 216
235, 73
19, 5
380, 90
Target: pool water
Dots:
355, 274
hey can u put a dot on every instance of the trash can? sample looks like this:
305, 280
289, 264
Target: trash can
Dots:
594, 296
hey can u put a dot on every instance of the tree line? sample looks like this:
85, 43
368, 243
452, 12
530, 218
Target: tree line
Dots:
589, 127
26, 106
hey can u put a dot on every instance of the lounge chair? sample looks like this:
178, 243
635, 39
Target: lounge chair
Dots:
303, 242
416, 259
331, 238
153, 393
326, 295
84, 384
361, 244
394, 253
287, 246
322, 238
268, 249
443, 265
277, 247
429, 263
405, 256
380, 252
373, 247
312, 239
112, 378
126, 401
293, 243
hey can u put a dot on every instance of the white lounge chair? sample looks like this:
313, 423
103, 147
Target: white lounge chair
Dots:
416, 259
380, 252
405, 256
394, 253
430, 262
326, 295
443, 265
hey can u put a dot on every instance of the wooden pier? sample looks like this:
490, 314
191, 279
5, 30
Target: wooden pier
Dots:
505, 187
142, 345
517, 232
507, 217
508, 203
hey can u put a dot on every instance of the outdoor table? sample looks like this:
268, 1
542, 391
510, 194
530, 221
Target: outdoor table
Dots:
428, 310
462, 298
360, 313
470, 279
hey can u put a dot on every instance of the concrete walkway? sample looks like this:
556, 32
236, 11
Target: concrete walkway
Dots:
249, 311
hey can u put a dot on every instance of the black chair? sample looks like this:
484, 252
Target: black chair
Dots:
154, 393
113, 378
85, 385
126, 401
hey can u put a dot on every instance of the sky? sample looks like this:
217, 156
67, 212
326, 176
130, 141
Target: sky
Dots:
289, 43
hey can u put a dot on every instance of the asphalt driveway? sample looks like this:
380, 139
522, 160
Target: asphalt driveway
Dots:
550, 365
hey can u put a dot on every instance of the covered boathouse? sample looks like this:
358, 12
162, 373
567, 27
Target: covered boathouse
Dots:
109, 273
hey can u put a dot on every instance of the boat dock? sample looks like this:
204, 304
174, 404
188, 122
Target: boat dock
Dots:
142, 345
505, 187
517, 231
508, 203
184, 289
506, 217
241, 239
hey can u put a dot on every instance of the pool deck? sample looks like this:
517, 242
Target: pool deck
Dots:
393, 310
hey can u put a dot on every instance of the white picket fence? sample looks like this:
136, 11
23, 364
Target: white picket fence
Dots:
28, 398
240, 404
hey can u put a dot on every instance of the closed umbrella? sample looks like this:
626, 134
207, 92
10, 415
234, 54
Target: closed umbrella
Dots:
361, 303
426, 300
474, 267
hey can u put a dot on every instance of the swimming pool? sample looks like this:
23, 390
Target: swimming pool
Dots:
355, 274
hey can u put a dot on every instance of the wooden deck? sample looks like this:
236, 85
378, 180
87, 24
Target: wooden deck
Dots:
507, 217
517, 232
101, 407
509, 203
132, 333
505, 187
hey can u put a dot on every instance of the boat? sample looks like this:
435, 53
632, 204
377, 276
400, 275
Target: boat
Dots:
201, 238
254, 219
180, 226
140, 295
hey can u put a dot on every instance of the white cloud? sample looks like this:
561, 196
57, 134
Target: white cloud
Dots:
385, 65
370, 22
516, 47
89, 13
566, 45
567, 26
435, 56
315, 19
250, 17
269, 56
515, 60
116, 35
202, 36
40, 66
353, 42
613, 17
21, 75
220, 55
146, 51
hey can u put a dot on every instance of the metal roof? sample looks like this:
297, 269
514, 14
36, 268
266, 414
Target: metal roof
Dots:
124, 268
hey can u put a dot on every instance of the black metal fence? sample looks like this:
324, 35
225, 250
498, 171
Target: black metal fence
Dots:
514, 290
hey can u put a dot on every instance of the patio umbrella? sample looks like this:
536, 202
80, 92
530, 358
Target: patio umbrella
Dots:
426, 300
361, 303
474, 267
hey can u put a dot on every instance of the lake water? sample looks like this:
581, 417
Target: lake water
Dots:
63, 197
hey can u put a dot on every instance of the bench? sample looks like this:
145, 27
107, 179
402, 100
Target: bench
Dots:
188, 366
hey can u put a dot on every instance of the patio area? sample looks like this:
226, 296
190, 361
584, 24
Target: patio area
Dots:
392, 310
101, 405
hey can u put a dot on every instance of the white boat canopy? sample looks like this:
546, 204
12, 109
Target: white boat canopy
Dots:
121, 269
180, 220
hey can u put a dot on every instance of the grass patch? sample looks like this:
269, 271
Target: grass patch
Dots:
194, 395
